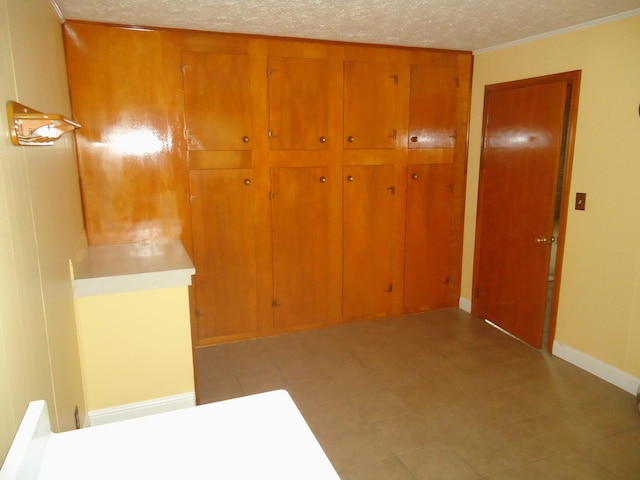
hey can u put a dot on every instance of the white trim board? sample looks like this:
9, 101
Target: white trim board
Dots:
465, 304
600, 369
606, 372
140, 409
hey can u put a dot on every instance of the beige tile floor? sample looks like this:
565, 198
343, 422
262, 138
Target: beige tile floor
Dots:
440, 395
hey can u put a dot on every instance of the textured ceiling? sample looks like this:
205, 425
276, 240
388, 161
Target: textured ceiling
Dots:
454, 24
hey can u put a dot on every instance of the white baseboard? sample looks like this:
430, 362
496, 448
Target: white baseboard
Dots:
465, 304
606, 372
140, 409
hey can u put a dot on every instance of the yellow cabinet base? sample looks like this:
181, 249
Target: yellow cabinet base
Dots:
134, 346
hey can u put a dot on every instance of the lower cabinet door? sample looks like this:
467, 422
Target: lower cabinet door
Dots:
428, 236
222, 210
300, 236
369, 206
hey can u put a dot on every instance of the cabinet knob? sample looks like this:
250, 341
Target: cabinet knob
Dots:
350, 139
245, 139
323, 139
414, 139
247, 181
350, 178
414, 176
323, 179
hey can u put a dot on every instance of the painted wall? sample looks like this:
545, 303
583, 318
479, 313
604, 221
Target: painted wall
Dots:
134, 346
599, 304
40, 225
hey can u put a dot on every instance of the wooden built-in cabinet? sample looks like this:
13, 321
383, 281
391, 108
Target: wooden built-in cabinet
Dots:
313, 183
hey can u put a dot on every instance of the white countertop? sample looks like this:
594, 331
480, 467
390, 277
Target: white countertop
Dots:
106, 269
258, 437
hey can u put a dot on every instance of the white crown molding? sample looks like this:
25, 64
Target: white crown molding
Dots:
56, 9
580, 26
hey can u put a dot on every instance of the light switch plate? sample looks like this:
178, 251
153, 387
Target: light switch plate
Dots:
581, 200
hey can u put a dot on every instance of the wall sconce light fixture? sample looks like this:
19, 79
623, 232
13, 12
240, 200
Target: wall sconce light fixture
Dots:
31, 127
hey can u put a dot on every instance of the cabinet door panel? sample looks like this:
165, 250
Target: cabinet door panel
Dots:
428, 236
433, 106
368, 222
300, 232
370, 105
298, 103
222, 211
217, 97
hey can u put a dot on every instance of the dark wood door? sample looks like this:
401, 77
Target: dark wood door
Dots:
300, 232
521, 153
428, 236
370, 105
298, 103
222, 209
368, 222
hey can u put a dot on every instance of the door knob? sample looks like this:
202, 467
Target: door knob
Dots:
414, 176
323, 139
245, 139
323, 179
350, 178
350, 139
247, 181
546, 240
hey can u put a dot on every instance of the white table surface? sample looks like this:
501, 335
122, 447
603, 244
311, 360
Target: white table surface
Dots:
262, 436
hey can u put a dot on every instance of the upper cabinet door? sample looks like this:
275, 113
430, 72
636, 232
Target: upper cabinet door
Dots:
217, 98
433, 104
298, 103
370, 105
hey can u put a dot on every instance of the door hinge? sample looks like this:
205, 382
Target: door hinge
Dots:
450, 187
270, 134
456, 81
394, 134
272, 195
488, 121
447, 280
390, 289
275, 303
392, 189
191, 197
270, 72
454, 135
395, 79
477, 292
